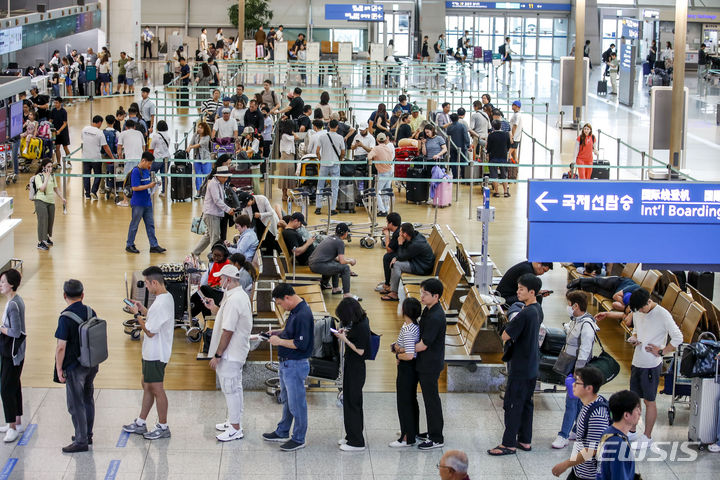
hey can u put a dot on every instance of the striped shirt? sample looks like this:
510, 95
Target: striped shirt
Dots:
407, 338
210, 107
596, 425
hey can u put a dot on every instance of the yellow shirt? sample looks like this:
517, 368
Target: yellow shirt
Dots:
416, 122
48, 196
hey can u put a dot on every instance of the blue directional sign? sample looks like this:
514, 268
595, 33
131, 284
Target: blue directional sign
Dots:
630, 28
473, 5
357, 12
656, 223
626, 57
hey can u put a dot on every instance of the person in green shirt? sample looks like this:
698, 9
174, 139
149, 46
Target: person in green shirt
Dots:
44, 201
122, 74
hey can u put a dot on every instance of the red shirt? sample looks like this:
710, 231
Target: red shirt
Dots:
214, 281
586, 150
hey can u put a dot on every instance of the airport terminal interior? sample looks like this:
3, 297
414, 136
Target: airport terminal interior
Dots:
653, 107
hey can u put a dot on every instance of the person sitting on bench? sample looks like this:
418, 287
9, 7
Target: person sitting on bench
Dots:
330, 261
301, 249
414, 255
617, 288
391, 233
507, 288
210, 284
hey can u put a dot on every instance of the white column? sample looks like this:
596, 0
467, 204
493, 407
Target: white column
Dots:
121, 24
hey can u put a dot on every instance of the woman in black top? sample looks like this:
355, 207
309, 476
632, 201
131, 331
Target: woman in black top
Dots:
355, 332
498, 144
425, 51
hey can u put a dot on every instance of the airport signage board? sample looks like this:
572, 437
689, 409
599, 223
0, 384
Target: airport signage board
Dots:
472, 5
355, 12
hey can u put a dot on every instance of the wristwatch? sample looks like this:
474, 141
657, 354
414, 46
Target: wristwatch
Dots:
137, 315
660, 352
218, 356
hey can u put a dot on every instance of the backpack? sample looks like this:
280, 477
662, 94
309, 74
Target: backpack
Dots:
435, 47
127, 185
606, 56
93, 339
460, 43
32, 187
111, 139
501, 49
44, 130
600, 403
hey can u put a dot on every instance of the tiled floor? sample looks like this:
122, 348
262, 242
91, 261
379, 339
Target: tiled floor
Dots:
473, 423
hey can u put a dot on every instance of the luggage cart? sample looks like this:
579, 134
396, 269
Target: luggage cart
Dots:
676, 385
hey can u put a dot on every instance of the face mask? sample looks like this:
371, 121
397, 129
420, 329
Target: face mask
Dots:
570, 310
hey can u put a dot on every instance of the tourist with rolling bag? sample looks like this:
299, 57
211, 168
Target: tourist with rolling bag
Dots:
704, 398
417, 188
180, 179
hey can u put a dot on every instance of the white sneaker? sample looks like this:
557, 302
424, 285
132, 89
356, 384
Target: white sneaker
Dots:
642, 442
342, 441
399, 444
11, 435
20, 428
714, 448
349, 448
230, 434
633, 436
221, 427
560, 442
572, 437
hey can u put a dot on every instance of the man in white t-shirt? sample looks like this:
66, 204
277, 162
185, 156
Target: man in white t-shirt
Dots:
363, 143
157, 323
131, 144
93, 141
230, 346
225, 127
330, 150
652, 324
516, 129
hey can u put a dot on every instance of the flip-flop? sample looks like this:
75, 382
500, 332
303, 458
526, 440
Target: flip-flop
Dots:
353, 274
339, 292
524, 449
388, 298
495, 194
503, 451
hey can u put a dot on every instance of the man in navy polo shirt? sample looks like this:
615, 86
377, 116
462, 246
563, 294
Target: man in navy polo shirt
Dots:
141, 204
295, 345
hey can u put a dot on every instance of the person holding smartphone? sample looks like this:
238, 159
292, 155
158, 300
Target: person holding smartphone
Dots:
45, 185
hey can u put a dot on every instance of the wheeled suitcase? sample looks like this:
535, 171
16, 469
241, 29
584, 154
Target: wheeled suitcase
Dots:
178, 290
181, 187
602, 87
32, 149
703, 281
168, 77
417, 191
546, 374
442, 196
704, 397
646, 68
554, 341
601, 170
47, 148
346, 196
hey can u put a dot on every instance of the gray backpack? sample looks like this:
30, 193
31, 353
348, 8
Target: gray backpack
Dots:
93, 339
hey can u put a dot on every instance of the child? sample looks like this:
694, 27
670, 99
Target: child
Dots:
29, 130
570, 174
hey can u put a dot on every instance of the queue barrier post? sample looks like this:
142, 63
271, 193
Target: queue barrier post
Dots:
547, 114
618, 155
533, 157
562, 122
642, 170
552, 155
532, 116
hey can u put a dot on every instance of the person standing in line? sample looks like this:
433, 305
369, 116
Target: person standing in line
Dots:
516, 131
295, 345
160, 145
157, 323
381, 157
184, 81
147, 109
93, 141
407, 379
147, 37
652, 327
201, 144
122, 74
355, 333
204, 43
614, 454
286, 130
460, 148
46, 189
12, 333
130, 146
584, 150
702, 61
331, 151
214, 209
59, 119
498, 143
425, 51
141, 203
522, 355
78, 380
430, 361
229, 347
593, 421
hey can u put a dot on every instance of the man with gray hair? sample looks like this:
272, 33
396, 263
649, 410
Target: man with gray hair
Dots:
453, 465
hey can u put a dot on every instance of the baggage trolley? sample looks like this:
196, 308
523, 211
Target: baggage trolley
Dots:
676, 385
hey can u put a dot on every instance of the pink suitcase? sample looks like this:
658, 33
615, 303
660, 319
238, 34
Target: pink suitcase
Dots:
443, 193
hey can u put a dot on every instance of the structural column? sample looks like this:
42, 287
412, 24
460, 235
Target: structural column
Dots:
123, 26
241, 21
578, 91
678, 89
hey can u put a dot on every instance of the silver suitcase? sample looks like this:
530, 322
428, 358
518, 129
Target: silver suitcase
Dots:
704, 397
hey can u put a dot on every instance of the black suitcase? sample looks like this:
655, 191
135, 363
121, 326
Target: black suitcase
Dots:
554, 341
346, 196
703, 281
546, 374
168, 77
47, 148
602, 87
179, 292
180, 187
601, 170
326, 369
417, 192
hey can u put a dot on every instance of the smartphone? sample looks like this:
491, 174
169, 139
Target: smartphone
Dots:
333, 330
200, 294
128, 302
264, 335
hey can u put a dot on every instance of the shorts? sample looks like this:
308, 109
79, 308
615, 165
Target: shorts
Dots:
515, 145
498, 172
153, 371
130, 81
105, 78
645, 381
122, 79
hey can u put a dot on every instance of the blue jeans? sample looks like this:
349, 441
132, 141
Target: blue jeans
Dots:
572, 408
326, 171
146, 215
292, 395
202, 170
384, 181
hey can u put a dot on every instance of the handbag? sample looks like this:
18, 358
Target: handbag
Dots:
374, 344
565, 363
605, 363
698, 359
198, 226
10, 346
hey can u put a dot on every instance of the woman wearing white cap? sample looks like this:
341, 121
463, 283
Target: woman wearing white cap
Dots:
229, 347
214, 209
249, 143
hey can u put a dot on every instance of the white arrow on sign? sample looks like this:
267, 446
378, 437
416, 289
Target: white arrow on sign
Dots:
541, 201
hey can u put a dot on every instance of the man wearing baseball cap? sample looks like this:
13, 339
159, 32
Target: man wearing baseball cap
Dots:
225, 127
214, 209
229, 347
302, 250
383, 153
329, 260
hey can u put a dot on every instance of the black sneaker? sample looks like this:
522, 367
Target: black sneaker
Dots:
291, 446
89, 440
75, 447
334, 212
130, 249
49, 242
422, 437
273, 437
429, 445
318, 211
42, 246
157, 249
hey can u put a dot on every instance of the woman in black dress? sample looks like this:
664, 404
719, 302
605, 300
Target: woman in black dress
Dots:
425, 51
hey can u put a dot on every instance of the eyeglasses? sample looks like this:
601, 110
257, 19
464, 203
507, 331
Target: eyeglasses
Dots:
575, 382
438, 466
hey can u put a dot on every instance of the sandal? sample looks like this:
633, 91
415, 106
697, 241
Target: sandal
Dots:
502, 450
495, 194
353, 274
325, 286
339, 292
524, 449
388, 298
507, 194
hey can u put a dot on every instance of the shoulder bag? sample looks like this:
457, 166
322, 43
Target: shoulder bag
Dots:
565, 363
605, 363
10, 346
198, 225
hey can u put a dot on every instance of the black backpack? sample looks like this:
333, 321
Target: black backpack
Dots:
435, 46
127, 185
600, 403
